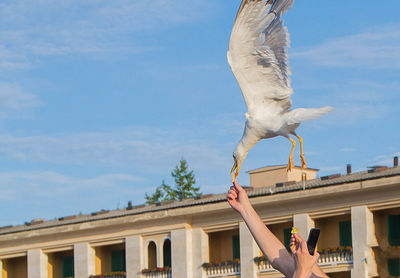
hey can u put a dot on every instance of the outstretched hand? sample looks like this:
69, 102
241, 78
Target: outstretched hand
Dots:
237, 198
303, 260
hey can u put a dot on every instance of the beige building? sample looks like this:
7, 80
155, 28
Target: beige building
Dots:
358, 214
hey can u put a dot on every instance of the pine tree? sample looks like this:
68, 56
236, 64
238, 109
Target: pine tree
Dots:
184, 182
156, 197
183, 189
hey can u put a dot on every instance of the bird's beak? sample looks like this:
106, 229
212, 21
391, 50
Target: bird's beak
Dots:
235, 167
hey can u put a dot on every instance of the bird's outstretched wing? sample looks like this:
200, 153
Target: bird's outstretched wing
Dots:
258, 53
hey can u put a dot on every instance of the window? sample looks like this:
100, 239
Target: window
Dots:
152, 255
394, 230
167, 253
394, 267
236, 247
345, 233
287, 234
68, 267
118, 260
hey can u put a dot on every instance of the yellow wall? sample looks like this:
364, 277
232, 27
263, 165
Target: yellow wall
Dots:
15, 268
4, 270
220, 245
329, 236
269, 177
103, 257
278, 229
54, 265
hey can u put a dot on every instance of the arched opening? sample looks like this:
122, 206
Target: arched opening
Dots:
152, 255
167, 252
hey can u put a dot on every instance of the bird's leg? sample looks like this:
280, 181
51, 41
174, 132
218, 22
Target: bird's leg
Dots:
234, 173
291, 162
303, 160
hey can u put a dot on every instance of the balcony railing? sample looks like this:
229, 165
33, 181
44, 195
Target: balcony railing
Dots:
326, 258
110, 275
338, 256
157, 273
222, 269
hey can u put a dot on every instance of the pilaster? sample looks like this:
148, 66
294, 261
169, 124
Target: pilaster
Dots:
200, 252
84, 260
363, 237
37, 264
248, 251
304, 223
134, 256
181, 245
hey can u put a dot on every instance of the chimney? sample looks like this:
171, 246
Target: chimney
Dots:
396, 161
129, 205
348, 169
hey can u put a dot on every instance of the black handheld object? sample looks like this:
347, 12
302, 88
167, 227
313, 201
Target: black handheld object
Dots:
312, 240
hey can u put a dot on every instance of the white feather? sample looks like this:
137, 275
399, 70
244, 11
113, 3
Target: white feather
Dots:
259, 60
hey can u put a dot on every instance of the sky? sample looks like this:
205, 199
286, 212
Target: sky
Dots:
99, 100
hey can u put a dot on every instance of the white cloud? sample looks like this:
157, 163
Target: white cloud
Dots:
48, 27
348, 150
49, 194
376, 48
14, 99
150, 150
386, 159
53, 184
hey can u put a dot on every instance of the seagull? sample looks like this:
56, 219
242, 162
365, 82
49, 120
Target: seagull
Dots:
258, 58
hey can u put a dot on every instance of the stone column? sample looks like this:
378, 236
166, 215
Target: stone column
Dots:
37, 264
134, 256
304, 223
181, 245
363, 237
248, 251
200, 252
84, 260
159, 253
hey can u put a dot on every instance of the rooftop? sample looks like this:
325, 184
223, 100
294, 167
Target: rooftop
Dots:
281, 188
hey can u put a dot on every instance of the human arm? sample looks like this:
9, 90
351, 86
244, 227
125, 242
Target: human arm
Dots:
270, 245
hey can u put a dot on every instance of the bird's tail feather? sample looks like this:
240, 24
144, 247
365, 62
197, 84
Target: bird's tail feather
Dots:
299, 115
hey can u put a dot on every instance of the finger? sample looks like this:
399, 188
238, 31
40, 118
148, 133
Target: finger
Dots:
233, 192
292, 246
303, 246
231, 197
237, 186
233, 188
298, 237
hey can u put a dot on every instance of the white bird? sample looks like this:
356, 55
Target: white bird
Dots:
259, 60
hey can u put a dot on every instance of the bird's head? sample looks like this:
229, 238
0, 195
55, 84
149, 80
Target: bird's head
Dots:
238, 157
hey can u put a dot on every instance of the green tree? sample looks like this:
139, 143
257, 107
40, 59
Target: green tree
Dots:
183, 189
157, 196
184, 182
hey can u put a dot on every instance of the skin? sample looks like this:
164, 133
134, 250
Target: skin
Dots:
270, 245
304, 262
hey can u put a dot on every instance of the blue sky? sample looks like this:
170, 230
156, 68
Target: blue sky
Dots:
100, 99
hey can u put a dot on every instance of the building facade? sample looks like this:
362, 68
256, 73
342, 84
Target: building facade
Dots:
358, 214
